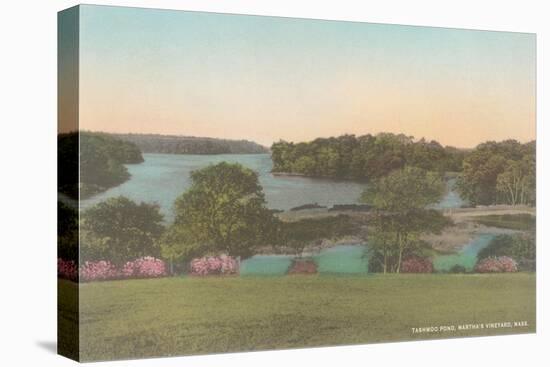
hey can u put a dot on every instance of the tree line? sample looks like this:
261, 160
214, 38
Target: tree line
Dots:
97, 158
363, 157
499, 173
174, 144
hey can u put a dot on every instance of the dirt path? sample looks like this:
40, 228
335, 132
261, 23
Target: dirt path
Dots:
489, 210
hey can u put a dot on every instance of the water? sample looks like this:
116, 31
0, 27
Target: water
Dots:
466, 257
266, 265
350, 259
341, 259
161, 178
451, 199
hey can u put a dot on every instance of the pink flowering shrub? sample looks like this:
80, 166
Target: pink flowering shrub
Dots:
144, 267
98, 270
502, 264
211, 265
417, 264
67, 269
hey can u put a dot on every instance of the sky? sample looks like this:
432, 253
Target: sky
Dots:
268, 78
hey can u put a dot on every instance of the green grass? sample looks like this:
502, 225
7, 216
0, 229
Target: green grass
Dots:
521, 222
177, 316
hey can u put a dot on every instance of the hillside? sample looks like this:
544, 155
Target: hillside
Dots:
94, 162
174, 144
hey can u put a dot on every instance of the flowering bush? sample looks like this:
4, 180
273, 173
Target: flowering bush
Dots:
144, 267
502, 264
210, 265
303, 266
67, 269
417, 264
98, 270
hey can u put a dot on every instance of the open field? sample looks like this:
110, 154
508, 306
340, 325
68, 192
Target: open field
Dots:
170, 316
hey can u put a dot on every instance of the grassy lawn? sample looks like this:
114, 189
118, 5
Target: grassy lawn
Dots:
175, 316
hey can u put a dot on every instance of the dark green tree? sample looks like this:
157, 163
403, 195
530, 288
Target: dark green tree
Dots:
365, 157
224, 211
400, 200
499, 173
120, 230
67, 232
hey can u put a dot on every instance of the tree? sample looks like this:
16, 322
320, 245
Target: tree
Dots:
517, 182
363, 157
520, 246
67, 232
224, 210
119, 230
101, 161
406, 189
502, 172
400, 200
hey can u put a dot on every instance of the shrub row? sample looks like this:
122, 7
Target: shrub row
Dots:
214, 265
303, 266
144, 267
417, 264
501, 264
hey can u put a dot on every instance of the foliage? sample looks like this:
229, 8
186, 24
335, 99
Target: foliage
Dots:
303, 266
67, 232
457, 269
519, 246
417, 264
400, 219
67, 269
98, 270
501, 264
363, 157
119, 229
89, 271
213, 265
97, 158
297, 235
406, 189
67, 164
224, 211
499, 173
172, 144
144, 267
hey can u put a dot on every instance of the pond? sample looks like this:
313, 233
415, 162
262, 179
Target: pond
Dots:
466, 257
341, 259
161, 178
351, 259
